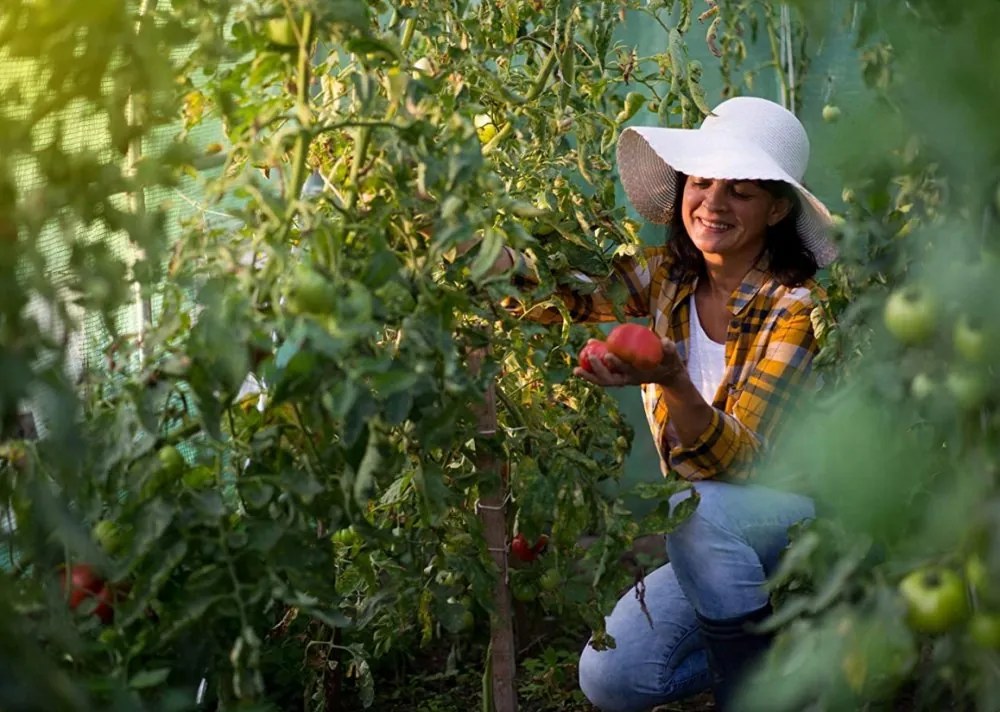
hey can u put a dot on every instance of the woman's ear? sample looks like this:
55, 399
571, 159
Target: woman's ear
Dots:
779, 211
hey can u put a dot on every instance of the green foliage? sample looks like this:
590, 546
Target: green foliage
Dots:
276, 466
901, 450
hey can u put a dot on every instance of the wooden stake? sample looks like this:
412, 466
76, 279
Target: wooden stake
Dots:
491, 510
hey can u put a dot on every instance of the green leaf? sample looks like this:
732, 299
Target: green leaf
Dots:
371, 463
489, 251
149, 678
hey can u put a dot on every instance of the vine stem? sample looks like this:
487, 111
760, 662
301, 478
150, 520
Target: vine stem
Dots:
302, 77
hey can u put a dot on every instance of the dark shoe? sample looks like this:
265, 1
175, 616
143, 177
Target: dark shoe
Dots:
732, 652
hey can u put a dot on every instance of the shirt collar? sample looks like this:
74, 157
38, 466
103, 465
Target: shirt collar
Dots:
752, 283
744, 294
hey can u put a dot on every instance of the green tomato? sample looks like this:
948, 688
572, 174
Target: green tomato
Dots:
968, 388
935, 599
984, 628
171, 459
831, 113
109, 535
922, 387
970, 340
486, 129
522, 590
910, 315
550, 580
976, 574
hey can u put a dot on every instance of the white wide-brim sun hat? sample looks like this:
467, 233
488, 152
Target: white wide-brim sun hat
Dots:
744, 138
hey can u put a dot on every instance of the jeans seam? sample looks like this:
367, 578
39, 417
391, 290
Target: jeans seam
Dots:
671, 666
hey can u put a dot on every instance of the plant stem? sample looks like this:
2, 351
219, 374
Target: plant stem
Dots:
302, 141
361, 141
408, 29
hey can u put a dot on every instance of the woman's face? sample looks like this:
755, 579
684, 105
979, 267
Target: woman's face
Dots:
728, 219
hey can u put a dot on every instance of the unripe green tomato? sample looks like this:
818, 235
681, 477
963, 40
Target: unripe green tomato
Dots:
935, 599
922, 387
831, 113
910, 315
970, 340
969, 388
171, 459
109, 535
984, 628
522, 590
550, 580
976, 574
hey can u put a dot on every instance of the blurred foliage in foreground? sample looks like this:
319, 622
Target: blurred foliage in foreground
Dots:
891, 594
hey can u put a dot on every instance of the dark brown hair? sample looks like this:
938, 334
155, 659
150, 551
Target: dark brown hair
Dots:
791, 262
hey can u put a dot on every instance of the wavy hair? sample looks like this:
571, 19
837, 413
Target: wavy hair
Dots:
791, 262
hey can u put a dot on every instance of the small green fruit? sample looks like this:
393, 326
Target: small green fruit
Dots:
970, 340
984, 628
922, 387
910, 315
831, 113
935, 599
171, 459
968, 388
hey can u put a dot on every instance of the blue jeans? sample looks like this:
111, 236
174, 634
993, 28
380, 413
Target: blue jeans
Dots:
719, 560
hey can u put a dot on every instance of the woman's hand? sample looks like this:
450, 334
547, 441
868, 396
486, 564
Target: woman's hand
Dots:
613, 372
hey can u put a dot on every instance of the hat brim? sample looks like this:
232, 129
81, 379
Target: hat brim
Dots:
650, 157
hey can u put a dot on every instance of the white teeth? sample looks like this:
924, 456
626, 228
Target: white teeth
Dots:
717, 226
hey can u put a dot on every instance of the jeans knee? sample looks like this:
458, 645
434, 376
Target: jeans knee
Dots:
700, 532
606, 683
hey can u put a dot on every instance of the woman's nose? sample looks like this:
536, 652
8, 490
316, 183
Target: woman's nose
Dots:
715, 196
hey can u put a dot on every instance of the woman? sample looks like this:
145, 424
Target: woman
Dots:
730, 295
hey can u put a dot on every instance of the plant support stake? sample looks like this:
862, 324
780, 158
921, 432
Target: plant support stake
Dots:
491, 510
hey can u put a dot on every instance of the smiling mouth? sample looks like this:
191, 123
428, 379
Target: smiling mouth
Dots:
715, 226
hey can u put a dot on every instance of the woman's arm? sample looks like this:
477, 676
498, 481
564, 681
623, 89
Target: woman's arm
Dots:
712, 442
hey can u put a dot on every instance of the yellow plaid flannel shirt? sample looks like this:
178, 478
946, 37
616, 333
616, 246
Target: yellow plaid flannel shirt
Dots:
770, 345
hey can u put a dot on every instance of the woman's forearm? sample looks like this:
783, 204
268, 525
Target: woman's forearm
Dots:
689, 413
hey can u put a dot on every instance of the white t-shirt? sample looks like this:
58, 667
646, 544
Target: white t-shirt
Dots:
706, 359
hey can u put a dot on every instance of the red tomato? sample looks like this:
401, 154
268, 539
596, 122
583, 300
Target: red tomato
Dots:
84, 583
595, 350
522, 549
636, 345
525, 551
106, 598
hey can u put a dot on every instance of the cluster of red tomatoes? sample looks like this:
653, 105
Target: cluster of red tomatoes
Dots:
80, 583
522, 549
